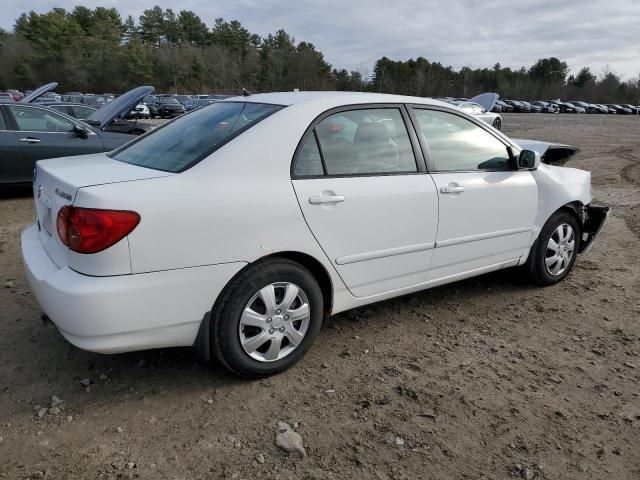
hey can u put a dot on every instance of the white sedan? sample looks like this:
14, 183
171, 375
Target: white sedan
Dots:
238, 227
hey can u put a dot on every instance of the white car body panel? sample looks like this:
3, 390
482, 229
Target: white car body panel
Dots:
370, 259
479, 226
199, 228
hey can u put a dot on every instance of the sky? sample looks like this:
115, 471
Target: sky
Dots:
353, 34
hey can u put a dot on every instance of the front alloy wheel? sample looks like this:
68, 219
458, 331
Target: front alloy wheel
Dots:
560, 248
554, 253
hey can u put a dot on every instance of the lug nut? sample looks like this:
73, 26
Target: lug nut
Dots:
269, 320
286, 317
278, 311
281, 329
270, 330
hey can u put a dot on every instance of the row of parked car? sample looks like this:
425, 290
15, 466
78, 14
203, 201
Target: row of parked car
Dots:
169, 106
81, 105
542, 106
557, 106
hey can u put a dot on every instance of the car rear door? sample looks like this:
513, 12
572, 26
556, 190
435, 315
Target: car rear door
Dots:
11, 169
369, 203
43, 133
487, 208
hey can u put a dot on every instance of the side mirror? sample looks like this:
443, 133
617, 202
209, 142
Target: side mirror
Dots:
528, 160
80, 131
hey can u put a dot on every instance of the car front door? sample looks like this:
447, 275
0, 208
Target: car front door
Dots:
367, 200
43, 133
487, 208
10, 162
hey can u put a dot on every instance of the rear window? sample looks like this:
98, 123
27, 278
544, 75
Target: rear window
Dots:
184, 142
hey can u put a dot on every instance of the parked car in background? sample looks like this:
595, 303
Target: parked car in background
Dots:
189, 102
168, 241
576, 108
166, 107
31, 132
546, 107
506, 108
620, 110
634, 110
532, 108
587, 107
93, 100
15, 94
140, 111
72, 97
480, 112
6, 97
518, 106
562, 107
606, 108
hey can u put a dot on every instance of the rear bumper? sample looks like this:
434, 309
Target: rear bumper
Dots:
127, 312
595, 219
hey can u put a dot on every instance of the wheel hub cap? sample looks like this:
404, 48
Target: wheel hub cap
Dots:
274, 322
560, 249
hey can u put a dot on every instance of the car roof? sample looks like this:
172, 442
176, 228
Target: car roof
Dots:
336, 98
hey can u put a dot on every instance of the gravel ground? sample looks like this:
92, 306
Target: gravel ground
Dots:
486, 378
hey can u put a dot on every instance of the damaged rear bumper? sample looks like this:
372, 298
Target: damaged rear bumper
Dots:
594, 219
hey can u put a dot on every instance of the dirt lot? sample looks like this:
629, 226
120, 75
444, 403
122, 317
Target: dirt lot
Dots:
487, 378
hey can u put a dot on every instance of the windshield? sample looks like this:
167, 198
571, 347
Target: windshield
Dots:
181, 144
168, 100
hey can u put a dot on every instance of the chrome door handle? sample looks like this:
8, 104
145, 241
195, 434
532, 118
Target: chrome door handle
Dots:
319, 200
30, 140
452, 188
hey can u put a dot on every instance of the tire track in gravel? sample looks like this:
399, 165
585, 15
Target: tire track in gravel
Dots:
630, 174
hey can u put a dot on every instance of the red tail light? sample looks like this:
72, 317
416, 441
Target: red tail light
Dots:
89, 230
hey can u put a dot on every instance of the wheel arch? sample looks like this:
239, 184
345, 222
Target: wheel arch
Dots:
317, 270
315, 267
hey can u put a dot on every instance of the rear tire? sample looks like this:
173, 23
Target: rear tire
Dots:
554, 252
258, 325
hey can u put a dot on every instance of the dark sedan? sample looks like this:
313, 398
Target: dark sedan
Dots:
620, 110
30, 132
504, 106
518, 106
166, 107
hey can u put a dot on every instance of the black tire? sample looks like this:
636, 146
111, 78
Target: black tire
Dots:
225, 316
536, 267
497, 124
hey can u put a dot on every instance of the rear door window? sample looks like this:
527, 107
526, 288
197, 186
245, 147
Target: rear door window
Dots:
366, 142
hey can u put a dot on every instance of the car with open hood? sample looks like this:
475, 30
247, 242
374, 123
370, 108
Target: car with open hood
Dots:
481, 106
30, 132
238, 227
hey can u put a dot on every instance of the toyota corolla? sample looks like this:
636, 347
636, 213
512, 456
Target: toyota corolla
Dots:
236, 228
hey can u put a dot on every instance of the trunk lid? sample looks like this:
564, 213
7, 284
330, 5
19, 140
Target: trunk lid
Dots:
56, 183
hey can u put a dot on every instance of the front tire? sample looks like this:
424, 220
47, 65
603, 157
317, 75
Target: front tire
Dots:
267, 318
554, 252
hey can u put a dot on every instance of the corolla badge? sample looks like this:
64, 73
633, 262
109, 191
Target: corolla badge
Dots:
63, 194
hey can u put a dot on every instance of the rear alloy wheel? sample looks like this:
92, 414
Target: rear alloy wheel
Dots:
497, 124
555, 251
267, 318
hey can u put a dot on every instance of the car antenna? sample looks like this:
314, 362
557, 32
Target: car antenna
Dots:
245, 92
